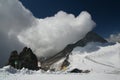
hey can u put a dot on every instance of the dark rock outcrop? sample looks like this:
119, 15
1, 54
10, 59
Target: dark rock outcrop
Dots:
79, 71
65, 63
26, 59
64, 53
13, 59
90, 37
76, 71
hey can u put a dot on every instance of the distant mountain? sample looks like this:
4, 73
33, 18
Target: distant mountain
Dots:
90, 37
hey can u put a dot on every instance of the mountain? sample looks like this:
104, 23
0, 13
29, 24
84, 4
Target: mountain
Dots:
90, 37
29, 60
102, 64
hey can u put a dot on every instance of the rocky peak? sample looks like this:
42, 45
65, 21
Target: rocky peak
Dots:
26, 59
90, 37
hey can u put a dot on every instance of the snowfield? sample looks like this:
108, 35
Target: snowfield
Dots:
103, 61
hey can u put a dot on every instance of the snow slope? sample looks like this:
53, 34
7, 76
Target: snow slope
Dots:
103, 60
97, 57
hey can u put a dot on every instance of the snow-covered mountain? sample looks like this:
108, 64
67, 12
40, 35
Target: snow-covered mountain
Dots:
90, 37
95, 57
103, 61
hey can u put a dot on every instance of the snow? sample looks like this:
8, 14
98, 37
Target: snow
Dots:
103, 61
92, 76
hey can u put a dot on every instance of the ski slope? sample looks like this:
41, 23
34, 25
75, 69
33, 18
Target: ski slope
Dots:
103, 60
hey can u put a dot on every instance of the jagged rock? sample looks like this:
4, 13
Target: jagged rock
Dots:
25, 59
28, 59
13, 59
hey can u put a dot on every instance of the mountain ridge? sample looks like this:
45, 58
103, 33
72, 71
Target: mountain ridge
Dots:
90, 37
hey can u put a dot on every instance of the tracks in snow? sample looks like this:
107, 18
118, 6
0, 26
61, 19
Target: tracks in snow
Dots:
88, 58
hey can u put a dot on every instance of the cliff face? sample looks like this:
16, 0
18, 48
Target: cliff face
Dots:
90, 37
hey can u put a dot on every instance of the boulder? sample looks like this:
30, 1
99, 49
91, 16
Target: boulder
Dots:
76, 71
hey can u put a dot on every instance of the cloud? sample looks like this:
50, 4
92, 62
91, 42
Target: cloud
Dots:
19, 28
53, 33
13, 19
114, 38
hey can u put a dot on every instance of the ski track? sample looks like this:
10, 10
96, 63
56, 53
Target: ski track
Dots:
100, 63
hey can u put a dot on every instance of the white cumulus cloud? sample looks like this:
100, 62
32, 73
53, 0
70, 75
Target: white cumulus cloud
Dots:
19, 28
52, 34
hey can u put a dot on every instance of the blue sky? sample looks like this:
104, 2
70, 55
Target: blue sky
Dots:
106, 13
